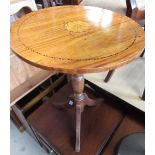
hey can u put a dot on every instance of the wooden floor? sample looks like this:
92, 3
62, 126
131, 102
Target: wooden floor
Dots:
103, 126
127, 82
130, 124
57, 127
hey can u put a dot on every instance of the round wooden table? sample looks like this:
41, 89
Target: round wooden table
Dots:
77, 40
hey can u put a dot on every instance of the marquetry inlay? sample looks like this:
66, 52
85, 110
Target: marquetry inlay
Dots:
77, 26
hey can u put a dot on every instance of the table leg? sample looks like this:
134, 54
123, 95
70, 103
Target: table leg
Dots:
81, 100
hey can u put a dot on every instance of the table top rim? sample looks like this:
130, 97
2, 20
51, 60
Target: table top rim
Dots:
83, 69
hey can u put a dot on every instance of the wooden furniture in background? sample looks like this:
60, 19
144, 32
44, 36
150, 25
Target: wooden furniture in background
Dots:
44, 3
24, 78
109, 75
49, 3
17, 5
81, 41
138, 7
143, 95
97, 125
103, 126
15, 119
127, 83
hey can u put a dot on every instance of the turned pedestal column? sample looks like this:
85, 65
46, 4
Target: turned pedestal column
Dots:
81, 99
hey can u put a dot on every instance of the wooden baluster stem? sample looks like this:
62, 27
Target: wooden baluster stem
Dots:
78, 87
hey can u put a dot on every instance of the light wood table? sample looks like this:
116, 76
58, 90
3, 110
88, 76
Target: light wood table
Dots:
77, 40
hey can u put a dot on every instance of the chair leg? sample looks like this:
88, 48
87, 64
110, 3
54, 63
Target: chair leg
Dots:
45, 3
142, 53
143, 96
129, 8
109, 75
16, 121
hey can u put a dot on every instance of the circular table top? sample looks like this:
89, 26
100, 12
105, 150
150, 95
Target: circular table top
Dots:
76, 39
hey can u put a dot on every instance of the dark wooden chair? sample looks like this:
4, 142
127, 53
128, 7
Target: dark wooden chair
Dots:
48, 3
143, 95
24, 78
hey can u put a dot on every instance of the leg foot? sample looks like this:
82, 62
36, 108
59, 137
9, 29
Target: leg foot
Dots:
87, 102
60, 105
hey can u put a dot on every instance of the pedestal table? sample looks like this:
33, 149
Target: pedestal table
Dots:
77, 40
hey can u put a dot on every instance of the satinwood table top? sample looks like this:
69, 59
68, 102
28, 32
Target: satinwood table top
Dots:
77, 39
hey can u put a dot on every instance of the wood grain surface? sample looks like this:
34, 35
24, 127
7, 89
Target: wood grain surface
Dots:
57, 127
77, 39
